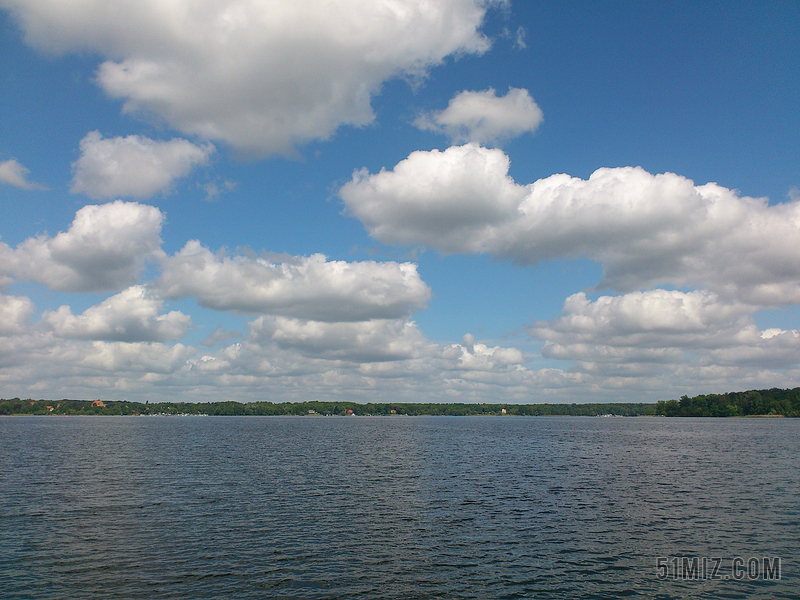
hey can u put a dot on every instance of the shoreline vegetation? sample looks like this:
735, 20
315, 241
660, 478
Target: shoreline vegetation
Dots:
773, 402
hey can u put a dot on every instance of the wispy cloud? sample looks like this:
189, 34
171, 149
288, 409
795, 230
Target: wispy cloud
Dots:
13, 173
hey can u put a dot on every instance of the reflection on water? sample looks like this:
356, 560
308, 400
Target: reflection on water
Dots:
425, 507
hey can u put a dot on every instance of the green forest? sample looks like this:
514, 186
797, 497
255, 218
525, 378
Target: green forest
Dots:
772, 402
17, 406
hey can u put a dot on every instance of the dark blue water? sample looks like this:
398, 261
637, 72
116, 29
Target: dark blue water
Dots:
425, 507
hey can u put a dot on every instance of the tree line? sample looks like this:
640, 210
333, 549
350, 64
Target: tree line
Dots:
772, 402
16, 406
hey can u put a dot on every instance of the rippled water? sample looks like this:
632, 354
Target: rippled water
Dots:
424, 507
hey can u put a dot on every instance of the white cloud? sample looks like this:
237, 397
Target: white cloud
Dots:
214, 191
121, 359
13, 173
449, 200
36, 360
778, 349
293, 359
375, 360
326, 329
519, 40
262, 76
474, 356
365, 341
651, 318
281, 359
130, 316
300, 287
133, 166
659, 333
484, 117
105, 248
15, 312
645, 230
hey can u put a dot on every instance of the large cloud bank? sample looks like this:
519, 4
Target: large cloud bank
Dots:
262, 75
644, 229
649, 233
644, 339
318, 327
327, 329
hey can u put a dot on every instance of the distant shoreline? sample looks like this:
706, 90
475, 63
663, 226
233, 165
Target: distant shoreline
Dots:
288, 416
767, 403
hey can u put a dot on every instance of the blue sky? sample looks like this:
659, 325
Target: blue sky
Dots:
466, 200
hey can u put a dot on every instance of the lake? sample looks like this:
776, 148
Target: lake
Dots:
398, 507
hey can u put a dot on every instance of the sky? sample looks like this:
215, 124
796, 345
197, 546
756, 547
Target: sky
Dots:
398, 200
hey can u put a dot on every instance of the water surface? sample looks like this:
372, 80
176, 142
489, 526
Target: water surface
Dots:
392, 507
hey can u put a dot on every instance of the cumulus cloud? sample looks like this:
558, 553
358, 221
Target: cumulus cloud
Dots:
484, 117
379, 358
261, 76
15, 312
472, 355
365, 341
12, 172
281, 358
133, 166
659, 332
774, 349
121, 360
450, 200
104, 249
652, 318
301, 287
645, 230
383, 360
130, 316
